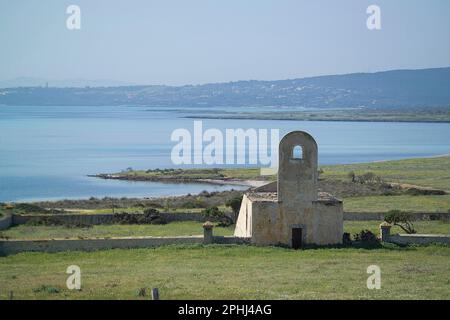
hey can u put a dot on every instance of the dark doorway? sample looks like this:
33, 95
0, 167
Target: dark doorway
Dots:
297, 238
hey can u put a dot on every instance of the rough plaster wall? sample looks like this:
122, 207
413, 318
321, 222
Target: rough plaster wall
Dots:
297, 178
6, 221
244, 221
328, 223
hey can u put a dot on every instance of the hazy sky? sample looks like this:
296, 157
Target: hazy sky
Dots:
198, 41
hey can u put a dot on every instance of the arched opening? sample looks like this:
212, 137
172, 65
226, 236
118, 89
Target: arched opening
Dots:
297, 152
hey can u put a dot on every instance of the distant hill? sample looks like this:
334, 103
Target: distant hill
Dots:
389, 89
75, 83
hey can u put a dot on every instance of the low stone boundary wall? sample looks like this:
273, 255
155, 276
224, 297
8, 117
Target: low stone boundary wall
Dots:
362, 216
6, 221
16, 246
56, 245
405, 239
104, 218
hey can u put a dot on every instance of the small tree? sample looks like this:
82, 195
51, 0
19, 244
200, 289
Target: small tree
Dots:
352, 176
235, 205
400, 219
213, 212
216, 214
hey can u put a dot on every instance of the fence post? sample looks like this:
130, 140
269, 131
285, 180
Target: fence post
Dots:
385, 231
208, 236
155, 294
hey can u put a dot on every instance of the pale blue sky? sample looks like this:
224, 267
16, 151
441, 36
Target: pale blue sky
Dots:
198, 41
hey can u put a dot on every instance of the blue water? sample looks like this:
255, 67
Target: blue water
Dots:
46, 152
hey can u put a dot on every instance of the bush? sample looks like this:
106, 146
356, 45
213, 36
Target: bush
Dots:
424, 192
366, 236
400, 219
235, 205
216, 214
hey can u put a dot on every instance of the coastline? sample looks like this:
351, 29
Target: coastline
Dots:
399, 120
227, 181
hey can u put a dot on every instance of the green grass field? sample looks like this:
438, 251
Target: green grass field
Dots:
186, 228
402, 202
231, 272
426, 172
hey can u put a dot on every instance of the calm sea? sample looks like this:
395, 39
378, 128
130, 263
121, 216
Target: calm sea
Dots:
46, 152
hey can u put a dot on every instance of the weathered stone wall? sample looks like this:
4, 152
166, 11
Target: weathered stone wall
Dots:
406, 239
6, 221
379, 216
16, 246
106, 218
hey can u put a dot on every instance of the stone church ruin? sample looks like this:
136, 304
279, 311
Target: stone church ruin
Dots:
291, 211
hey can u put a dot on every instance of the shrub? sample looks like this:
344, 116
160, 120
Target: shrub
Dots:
216, 214
400, 219
235, 205
46, 289
366, 236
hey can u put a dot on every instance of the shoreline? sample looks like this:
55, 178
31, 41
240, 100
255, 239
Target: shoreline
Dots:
230, 181
318, 120
250, 183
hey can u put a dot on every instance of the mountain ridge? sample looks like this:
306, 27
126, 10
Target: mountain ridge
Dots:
383, 89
